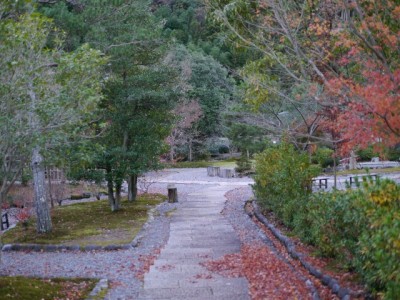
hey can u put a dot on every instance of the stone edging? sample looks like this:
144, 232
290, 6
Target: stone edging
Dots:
101, 285
343, 293
62, 248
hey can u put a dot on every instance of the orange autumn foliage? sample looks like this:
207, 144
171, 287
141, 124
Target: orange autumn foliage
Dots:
366, 91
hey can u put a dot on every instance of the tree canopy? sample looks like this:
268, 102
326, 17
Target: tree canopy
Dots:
341, 58
47, 95
139, 76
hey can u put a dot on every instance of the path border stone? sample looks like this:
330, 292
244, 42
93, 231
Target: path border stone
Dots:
60, 248
343, 293
100, 286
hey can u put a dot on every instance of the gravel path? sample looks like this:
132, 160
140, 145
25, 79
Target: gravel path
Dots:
198, 233
122, 268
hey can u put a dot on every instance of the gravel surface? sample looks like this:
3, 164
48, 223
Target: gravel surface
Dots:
247, 230
250, 235
120, 267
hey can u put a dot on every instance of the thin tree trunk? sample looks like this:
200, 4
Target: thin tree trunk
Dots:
111, 198
117, 202
172, 152
190, 150
132, 187
334, 169
23, 182
43, 224
50, 194
110, 188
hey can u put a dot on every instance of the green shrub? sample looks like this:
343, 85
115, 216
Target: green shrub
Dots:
366, 154
393, 153
213, 149
283, 180
324, 157
333, 222
378, 259
361, 227
244, 165
203, 154
223, 149
387, 153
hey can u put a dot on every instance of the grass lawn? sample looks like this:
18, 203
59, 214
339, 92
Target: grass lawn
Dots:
225, 164
370, 171
230, 163
21, 288
90, 223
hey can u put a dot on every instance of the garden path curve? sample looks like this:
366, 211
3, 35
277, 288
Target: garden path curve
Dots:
198, 232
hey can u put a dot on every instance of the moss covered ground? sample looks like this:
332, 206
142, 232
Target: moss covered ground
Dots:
22, 288
90, 223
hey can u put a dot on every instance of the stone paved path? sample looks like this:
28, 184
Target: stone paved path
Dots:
198, 232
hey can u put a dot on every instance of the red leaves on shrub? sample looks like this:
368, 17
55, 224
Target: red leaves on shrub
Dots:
269, 277
23, 215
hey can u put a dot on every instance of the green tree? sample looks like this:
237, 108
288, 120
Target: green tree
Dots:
137, 107
186, 22
70, 16
341, 59
46, 95
209, 84
139, 94
248, 139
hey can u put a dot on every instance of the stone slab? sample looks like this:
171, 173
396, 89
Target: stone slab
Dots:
198, 233
173, 293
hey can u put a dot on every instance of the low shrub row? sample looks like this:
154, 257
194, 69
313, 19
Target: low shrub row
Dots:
360, 227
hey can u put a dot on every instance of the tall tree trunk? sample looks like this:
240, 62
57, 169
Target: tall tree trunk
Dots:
132, 187
171, 153
117, 203
334, 168
110, 188
190, 150
43, 224
50, 193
